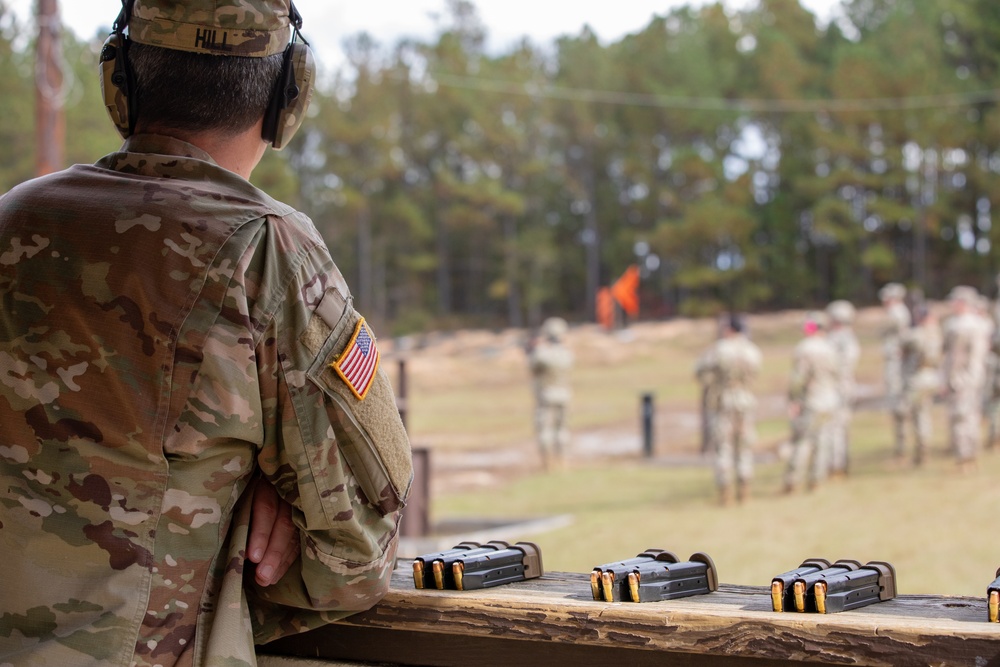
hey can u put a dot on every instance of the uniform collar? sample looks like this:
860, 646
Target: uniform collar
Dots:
161, 144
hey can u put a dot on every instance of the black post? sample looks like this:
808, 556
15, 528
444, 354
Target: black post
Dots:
647, 425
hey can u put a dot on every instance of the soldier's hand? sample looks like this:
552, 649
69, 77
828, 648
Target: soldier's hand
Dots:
274, 540
794, 409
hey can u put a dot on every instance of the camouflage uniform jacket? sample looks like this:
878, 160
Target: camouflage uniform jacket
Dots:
922, 348
899, 322
706, 370
848, 350
551, 363
966, 345
167, 331
736, 362
814, 375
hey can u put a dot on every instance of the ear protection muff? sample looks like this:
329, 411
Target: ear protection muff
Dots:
116, 76
289, 100
292, 91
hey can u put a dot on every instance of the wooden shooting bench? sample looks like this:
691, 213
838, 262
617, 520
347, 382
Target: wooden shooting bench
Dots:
555, 621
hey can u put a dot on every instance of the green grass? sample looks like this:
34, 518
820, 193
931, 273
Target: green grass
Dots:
935, 526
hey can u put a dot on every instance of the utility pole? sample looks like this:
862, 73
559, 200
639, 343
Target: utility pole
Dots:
50, 118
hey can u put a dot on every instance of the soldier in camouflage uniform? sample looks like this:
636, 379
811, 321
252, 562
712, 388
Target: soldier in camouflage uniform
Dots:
170, 335
705, 372
965, 349
992, 394
840, 314
813, 400
551, 361
893, 297
921, 347
731, 366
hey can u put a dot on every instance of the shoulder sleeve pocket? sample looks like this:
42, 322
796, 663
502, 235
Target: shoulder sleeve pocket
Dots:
370, 434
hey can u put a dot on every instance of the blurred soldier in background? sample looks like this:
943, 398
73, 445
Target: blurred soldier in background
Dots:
845, 345
921, 381
551, 362
965, 349
813, 399
730, 367
706, 372
984, 309
892, 296
992, 393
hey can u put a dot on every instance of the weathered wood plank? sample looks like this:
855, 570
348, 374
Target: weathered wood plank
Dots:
554, 614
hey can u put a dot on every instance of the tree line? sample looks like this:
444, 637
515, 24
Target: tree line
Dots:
744, 160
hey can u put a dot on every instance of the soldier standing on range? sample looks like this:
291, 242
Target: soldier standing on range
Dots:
733, 364
813, 400
921, 378
706, 372
551, 361
993, 383
988, 330
965, 348
845, 344
893, 297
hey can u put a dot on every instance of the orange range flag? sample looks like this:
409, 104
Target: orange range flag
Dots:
626, 291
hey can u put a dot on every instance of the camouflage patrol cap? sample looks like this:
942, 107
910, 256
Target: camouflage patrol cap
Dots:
840, 311
891, 291
964, 294
555, 327
253, 28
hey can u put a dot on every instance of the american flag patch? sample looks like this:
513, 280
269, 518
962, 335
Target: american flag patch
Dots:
359, 361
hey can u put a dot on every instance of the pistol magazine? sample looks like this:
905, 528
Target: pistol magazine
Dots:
659, 580
435, 570
609, 582
519, 562
874, 582
423, 566
803, 588
653, 576
782, 586
816, 586
993, 600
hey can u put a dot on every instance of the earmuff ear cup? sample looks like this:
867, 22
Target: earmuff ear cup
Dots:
116, 83
291, 96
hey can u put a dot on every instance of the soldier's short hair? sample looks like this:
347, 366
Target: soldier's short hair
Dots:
736, 323
193, 92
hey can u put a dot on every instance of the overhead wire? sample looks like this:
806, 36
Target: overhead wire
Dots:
808, 105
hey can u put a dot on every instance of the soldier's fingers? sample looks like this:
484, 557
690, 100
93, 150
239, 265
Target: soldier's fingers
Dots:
291, 555
263, 515
282, 545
